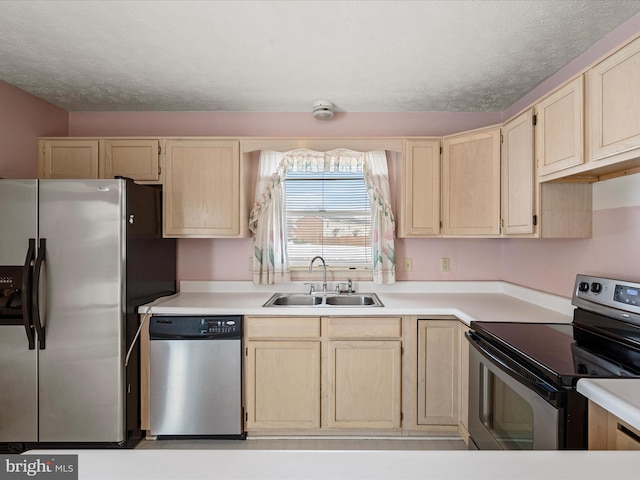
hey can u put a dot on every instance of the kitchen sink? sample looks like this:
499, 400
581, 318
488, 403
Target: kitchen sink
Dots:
324, 300
293, 300
349, 300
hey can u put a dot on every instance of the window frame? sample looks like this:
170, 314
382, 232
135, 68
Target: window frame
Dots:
362, 269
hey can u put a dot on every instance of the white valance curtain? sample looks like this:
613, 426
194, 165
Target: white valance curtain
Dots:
266, 222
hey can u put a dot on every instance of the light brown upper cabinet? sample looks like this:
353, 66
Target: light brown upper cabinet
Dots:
419, 189
471, 184
68, 158
136, 158
518, 176
613, 106
531, 209
204, 191
560, 129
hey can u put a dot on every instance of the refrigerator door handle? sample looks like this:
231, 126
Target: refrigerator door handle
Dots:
26, 294
36, 293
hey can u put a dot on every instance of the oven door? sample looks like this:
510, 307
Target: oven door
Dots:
509, 406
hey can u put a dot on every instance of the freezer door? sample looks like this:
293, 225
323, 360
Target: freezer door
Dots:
81, 368
18, 364
18, 387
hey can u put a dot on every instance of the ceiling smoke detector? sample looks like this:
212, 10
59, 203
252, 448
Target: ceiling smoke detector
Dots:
323, 109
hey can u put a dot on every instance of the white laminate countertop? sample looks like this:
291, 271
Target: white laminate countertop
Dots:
482, 301
350, 464
620, 396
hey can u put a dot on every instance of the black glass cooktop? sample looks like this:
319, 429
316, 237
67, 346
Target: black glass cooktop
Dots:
552, 350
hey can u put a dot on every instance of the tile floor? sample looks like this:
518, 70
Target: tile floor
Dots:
311, 443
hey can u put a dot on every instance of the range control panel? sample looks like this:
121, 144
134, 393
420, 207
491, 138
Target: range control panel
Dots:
616, 298
194, 327
627, 295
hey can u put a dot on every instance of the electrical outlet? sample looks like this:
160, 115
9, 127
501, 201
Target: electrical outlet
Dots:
408, 265
444, 264
251, 264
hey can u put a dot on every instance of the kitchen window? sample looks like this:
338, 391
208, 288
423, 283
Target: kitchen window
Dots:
334, 204
328, 214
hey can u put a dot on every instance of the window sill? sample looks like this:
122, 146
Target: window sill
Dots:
334, 274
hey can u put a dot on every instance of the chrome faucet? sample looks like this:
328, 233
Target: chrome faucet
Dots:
324, 268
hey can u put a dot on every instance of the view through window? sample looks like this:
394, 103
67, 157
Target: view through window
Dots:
328, 214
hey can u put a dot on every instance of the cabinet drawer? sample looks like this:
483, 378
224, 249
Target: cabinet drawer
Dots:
364, 327
282, 327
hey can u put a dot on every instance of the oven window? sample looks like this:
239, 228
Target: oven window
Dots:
507, 416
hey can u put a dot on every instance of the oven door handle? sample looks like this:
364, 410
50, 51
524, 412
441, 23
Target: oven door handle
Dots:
530, 380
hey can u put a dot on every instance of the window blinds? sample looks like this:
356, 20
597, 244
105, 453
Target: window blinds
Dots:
328, 214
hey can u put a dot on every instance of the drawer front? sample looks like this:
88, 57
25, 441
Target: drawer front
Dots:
364, 327
282, 327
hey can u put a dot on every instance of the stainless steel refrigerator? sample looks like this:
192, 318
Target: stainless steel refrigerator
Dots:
77, 257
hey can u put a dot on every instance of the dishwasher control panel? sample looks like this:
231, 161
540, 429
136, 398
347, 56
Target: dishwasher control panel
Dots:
194, 327
212, 325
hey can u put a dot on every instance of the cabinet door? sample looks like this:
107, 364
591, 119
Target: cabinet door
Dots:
518, 179
364, 384
613, 103
136, 159
68, 159
419, 187
438, 342
283, 385
559, 129
471, 184
608, 432
463, 382
202, 194
626, 437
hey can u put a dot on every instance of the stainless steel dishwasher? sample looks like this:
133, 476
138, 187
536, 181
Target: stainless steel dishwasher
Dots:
196, 376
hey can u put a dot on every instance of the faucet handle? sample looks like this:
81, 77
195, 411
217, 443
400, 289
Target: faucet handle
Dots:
350, 286
312, 287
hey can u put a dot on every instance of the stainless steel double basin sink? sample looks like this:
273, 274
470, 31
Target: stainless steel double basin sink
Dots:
324, 300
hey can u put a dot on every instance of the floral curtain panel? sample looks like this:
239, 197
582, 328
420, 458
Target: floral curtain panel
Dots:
376, 176
266, 222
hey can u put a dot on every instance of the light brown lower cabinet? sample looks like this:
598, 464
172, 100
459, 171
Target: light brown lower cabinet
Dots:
282, 373
283, 379
463, 381
315, 375
364, 388
608, 432
438, 372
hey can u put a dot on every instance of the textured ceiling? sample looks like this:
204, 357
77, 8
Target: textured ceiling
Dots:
280, 56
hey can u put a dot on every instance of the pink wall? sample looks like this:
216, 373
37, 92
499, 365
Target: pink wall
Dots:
552, 265
24, 118
548, 265
261, 124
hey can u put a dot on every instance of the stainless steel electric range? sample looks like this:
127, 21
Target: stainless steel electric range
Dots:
523, 376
